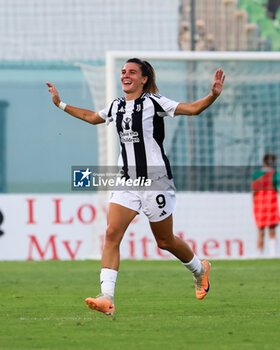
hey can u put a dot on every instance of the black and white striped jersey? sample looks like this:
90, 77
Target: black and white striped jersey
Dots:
140, 125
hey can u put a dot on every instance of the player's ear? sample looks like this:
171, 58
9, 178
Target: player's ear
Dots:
144, 80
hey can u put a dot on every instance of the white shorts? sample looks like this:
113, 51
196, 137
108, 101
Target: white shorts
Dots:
157, 205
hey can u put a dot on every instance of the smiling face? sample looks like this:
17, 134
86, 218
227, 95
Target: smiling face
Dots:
132, 80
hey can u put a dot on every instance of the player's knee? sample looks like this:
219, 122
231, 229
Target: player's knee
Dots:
165, 244
113, 235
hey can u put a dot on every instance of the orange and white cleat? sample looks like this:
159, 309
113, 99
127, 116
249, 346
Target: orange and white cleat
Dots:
202, 283
102, 303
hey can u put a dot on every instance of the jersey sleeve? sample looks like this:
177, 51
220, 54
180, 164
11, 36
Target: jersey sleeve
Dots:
168, 106
106, 113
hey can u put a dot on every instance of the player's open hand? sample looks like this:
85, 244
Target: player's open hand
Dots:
219, 79
53, 91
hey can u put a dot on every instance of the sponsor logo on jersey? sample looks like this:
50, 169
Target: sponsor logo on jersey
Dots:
128, 135
126, 124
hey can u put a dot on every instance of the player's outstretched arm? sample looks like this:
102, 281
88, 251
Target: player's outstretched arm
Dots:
198, 106
80, 113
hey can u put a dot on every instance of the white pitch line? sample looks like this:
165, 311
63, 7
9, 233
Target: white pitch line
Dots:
56, 319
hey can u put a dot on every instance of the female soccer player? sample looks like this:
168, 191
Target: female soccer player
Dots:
140, 124
266, 183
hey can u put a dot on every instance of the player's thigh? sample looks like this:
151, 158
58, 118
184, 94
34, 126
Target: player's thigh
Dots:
118, 219
163, 230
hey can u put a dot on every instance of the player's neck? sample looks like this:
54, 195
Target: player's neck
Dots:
133, 96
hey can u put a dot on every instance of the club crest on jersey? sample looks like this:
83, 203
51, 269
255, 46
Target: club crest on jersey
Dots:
128, 135
138, 108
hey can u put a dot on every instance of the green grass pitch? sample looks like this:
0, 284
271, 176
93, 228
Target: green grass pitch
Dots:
42, 306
